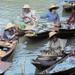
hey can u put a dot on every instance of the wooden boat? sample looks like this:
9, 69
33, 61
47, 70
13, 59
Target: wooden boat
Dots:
63, 33
42, 31
68, 6
4, 66
34, 35
69, 71
43, 62
6, 49
39, 31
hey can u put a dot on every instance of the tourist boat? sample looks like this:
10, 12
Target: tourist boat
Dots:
6, 49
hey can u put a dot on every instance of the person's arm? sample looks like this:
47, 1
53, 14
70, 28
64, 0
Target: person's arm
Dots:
44, 16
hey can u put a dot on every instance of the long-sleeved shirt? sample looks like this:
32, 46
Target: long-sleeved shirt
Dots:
52, 17
8, 35
57, 46
29, 17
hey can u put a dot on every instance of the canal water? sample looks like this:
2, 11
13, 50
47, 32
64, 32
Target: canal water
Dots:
26, 50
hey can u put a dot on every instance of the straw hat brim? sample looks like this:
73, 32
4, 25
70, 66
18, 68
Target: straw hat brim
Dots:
54, 8
26, 6
51, 34
9, 26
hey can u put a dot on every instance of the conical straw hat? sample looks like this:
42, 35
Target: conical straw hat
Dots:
26, 6
53, 6
9, 25
51, 34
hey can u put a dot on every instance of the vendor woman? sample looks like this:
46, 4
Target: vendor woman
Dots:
56, 45
10, 32
52, 15
28, 15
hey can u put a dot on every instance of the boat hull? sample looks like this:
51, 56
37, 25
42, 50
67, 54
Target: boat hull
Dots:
68, 8
63, 33
39, 35
4, 64
66, 72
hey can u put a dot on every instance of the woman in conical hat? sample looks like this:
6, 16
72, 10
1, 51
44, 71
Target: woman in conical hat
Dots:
10, 32
53, 6
55, 44
28, 15
9, 25
52, 15
51, 34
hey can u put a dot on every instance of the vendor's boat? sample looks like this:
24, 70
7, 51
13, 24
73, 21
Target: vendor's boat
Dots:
40, 31
44, 61
69, 5
33, 34
62, 33
66, 33
6, 49
63, 67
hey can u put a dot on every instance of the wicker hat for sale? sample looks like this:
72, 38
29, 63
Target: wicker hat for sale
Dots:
51, 34
26, 6
53, 6
9, 25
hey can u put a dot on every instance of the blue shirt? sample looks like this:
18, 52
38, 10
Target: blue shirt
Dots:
52, 17
9, 35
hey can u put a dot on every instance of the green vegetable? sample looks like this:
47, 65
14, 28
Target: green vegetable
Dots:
22, 25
